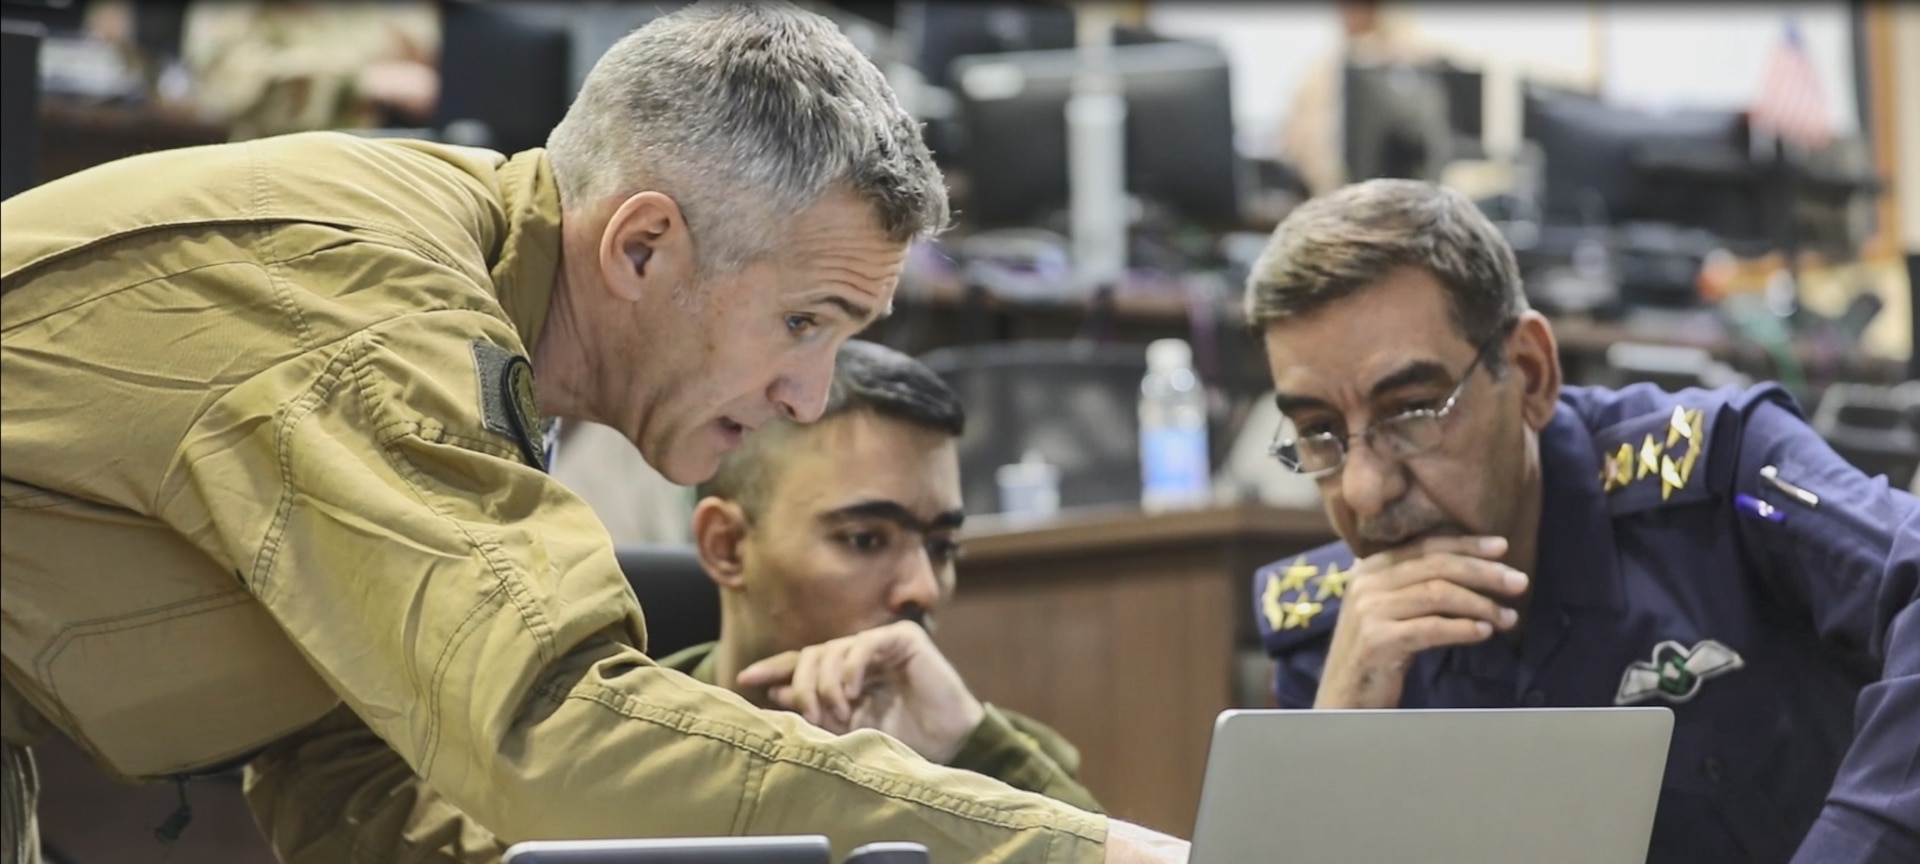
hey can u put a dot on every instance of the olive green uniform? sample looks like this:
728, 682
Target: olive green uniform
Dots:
257, 467
1008, 746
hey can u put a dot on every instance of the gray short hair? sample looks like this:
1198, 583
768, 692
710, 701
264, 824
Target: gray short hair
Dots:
746, 113
1343, 241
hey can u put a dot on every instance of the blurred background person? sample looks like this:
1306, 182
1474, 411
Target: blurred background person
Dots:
268, 67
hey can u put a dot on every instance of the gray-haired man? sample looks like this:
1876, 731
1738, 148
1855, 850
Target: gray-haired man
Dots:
273, 454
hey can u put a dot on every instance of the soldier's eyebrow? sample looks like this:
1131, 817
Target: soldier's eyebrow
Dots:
894, 511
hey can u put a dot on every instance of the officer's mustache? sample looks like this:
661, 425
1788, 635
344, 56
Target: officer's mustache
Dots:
1401, 523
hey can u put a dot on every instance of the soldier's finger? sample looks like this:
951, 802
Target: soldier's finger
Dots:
832, 665
806, 678
861, 656
777, 669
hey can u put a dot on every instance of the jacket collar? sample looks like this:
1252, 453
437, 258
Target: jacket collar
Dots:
529, 261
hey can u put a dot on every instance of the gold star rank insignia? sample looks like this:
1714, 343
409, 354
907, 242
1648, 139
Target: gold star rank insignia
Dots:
1618, 470
1295, 577
1299, 614
1649, 458
1270, 602
1688, 424
1333, 583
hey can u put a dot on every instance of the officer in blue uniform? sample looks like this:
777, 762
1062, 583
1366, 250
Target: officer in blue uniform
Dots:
1512, 542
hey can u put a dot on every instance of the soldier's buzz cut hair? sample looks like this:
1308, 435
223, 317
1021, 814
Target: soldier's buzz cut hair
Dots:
745, 113
867, 377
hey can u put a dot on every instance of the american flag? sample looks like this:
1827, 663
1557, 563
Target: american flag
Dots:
1790, 102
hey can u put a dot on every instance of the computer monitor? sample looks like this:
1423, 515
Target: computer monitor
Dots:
1179, 132
505, 72
936, 32
57, 16
1597, 158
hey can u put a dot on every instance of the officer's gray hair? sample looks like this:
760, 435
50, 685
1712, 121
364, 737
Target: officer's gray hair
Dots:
745, 113
1343, 241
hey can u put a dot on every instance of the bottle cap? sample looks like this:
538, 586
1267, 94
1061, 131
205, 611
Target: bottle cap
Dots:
1169, 354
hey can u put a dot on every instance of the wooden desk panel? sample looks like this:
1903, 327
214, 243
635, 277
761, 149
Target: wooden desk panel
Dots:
1119, 630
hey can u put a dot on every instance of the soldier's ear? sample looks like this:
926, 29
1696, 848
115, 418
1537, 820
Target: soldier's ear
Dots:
645, 247
1534, 358
719, 537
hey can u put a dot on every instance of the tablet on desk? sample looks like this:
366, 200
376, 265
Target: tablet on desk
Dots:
800, 849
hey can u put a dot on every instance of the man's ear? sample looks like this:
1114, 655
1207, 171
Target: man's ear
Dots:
645, 247
1534, 355
719, 532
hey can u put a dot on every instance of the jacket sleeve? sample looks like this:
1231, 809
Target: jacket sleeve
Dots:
470, 611
1852, 560
1024, 754
335, 793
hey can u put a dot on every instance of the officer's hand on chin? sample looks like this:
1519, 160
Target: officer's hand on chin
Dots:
889, 678
1438, 591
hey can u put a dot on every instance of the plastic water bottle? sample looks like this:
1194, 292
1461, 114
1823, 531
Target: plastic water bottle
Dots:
1173, 430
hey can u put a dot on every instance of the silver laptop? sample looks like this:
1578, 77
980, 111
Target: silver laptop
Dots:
1560, 785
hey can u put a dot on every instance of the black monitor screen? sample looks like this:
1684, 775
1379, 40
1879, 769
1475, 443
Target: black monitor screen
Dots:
1179, 131
505, 72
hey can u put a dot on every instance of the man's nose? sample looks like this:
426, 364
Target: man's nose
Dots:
1368, 480
802, 394
919, 582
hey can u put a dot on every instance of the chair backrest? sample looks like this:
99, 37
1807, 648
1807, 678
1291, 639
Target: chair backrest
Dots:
20, 107
681, 602
1075, 403
1875, 427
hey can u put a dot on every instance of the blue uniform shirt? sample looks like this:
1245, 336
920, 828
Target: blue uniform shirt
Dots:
1783, 633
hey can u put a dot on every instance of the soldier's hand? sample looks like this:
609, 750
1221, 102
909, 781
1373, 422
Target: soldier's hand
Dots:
889, 678
1131, 844
1440, 591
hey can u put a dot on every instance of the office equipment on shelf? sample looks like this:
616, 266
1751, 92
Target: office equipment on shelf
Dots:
1179, 132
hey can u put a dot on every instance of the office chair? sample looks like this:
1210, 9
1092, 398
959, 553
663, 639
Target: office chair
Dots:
681, 603
1075, 403
20, 110
1877, 428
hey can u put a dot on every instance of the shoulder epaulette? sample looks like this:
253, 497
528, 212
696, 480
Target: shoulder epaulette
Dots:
1297, 599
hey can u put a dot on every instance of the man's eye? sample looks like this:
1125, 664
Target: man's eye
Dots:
800, 325
1314, 428
943, 551
865, 541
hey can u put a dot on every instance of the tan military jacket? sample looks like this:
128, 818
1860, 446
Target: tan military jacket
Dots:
1008, 746
261, 457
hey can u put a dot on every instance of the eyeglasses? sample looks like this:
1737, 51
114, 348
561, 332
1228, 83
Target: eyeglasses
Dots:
1397, 437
